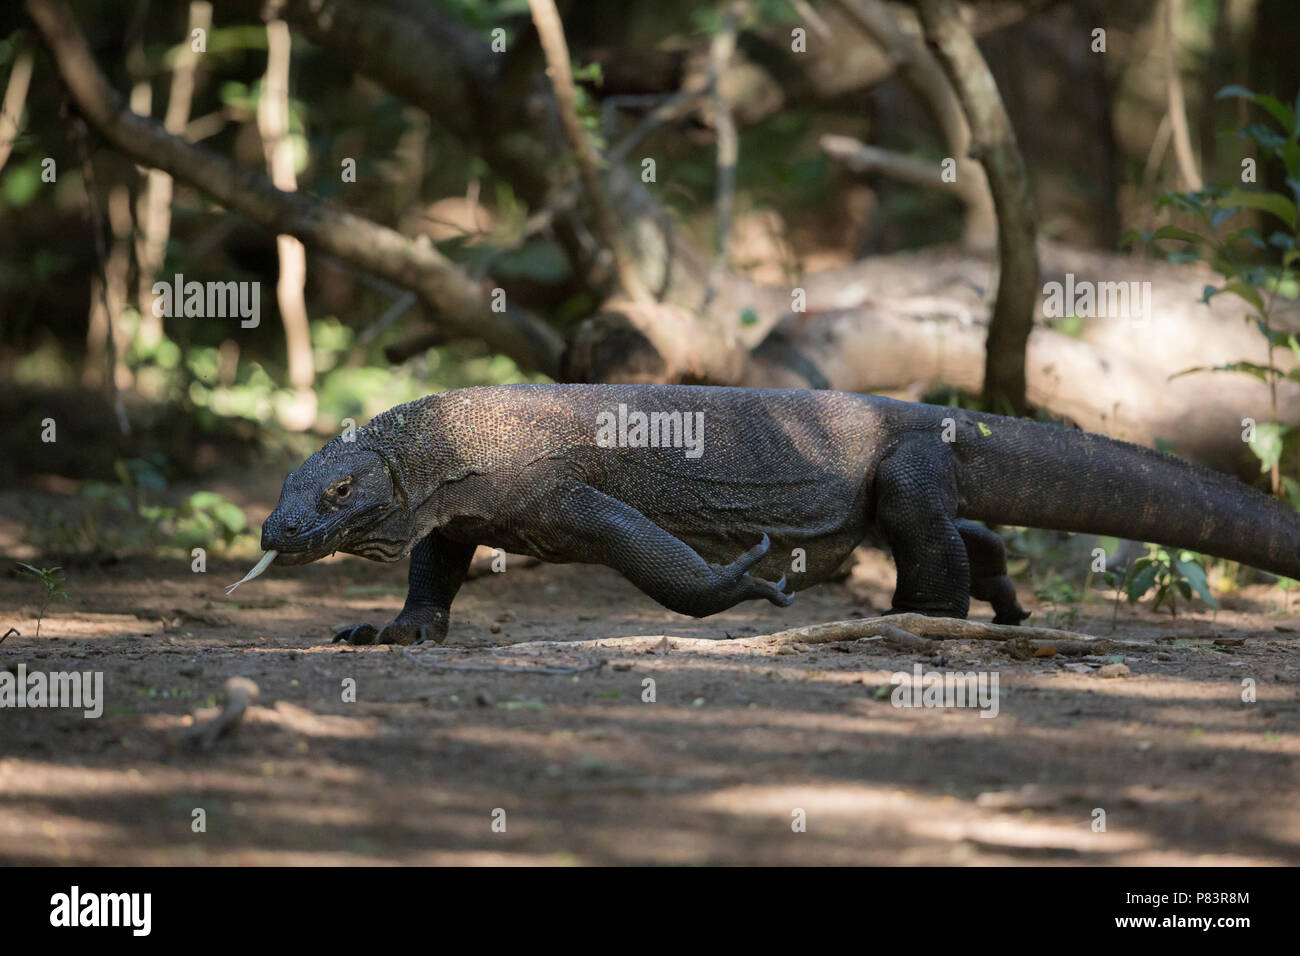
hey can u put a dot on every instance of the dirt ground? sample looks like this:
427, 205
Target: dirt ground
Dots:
581, 770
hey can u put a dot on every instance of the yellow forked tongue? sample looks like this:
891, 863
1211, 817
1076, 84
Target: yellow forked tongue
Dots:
258, 568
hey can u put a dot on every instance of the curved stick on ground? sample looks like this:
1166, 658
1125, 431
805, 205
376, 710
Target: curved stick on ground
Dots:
907, 628
239, 693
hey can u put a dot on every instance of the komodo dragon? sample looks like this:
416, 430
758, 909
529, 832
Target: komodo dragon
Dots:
700, 496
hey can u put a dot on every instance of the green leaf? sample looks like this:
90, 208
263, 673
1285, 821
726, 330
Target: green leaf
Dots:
1220, 214
1290, 153
1247, 292
1242, 290
1261, 372
1270, 104
1174, 232
1266, 444
1274, 203
204, 500
230, 515
1141, 582
1163, 596
1292, 488
1194, 576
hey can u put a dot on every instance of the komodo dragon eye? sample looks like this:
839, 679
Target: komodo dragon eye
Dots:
342, 489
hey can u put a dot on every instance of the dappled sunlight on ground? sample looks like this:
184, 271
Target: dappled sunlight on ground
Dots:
748, 754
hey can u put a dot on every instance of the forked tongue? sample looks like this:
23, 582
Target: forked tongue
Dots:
258, 568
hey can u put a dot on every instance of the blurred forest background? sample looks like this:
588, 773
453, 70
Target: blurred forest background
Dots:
736, 193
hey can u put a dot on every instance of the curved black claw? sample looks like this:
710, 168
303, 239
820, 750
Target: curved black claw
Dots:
774, 591
747, 586
752, 556
357, 634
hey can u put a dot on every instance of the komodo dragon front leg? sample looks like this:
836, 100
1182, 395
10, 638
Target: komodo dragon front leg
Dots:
584, 524
438, 569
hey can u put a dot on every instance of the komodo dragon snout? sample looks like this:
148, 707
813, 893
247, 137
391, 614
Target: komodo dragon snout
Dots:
340, 499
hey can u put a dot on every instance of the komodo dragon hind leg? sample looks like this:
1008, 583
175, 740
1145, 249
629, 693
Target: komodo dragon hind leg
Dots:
588, 525
438, 569
988, 572
916, 506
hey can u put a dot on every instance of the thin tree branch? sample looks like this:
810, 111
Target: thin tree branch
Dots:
861, 158
923, 74
1177, 103
154, 206
551, 31
995, 147
11, 113
721, 50
101, 256
459, 302
290, 286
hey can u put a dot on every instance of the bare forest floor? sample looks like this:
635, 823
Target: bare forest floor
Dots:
715, 770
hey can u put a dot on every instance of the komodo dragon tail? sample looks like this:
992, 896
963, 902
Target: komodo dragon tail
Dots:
1043, 476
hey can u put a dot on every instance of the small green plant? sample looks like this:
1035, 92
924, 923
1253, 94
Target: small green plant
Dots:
1171, 575
1255, 269
125, 516
1286, 586
52, 586
1116, 577
1063, 596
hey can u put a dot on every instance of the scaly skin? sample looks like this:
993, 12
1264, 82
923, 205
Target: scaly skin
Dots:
783, 472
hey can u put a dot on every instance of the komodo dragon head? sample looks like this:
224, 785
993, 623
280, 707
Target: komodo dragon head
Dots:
346, 497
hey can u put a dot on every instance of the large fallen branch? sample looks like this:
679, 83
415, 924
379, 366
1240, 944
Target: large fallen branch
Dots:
461, 304
911, 322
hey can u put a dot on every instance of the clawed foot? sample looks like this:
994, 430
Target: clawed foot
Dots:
1011, 617
752, 587
394, 633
